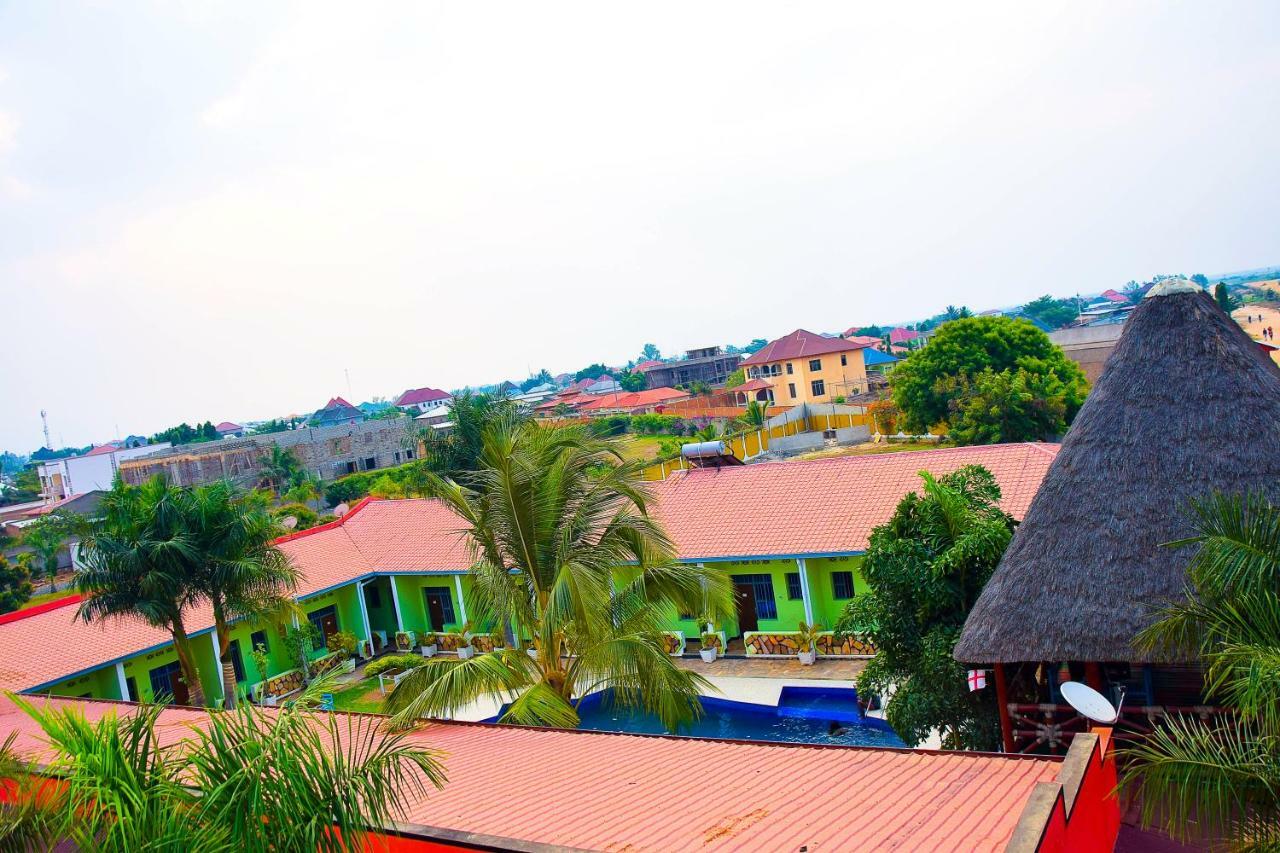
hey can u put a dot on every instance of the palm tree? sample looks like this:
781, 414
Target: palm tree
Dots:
137, 565
235, 565
1222, 774
46, 537
281, 468
550, 516
245, 780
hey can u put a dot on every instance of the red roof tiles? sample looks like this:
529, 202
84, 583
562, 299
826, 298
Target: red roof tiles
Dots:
635, 399
799, 344
901, 335
629, 791
421, 395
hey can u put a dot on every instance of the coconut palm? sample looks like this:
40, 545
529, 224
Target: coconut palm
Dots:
246, 780
137, 562
550, 516
281, 468
1222, 776
235, 565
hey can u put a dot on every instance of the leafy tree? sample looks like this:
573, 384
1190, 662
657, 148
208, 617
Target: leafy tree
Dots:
244, 780
275, 425
543, 377
26, 488
390, 413
872, 331
650, 353
591, 371
1012, 405
633, 382
1054, 313
306, 488
926, 567
1221, 774
563, 507
1134, 292
281, 468
754, 416
1200, 279
932, 384
1223, 297
137, 566
738, 377
562, 410
460, 449
15, 582
306, 516
46, 536
953, 313
698, 388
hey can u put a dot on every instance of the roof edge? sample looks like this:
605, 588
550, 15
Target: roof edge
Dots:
46, 607
328, 525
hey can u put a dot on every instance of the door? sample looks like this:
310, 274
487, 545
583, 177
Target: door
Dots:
744, 594
167, 681
326, 622
439, 607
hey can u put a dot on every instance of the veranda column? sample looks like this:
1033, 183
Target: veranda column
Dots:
364, 614
803, 569
462, 605
217, 664
395, 601
123, 682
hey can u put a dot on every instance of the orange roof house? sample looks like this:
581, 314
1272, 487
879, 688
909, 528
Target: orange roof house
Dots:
804, 367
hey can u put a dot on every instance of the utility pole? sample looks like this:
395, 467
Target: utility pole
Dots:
44, 421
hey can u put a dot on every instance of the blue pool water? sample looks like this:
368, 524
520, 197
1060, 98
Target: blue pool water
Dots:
803, 715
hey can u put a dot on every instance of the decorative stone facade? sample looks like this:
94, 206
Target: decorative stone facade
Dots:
449, 642
282, 684
486, 642
784, 643
321, 665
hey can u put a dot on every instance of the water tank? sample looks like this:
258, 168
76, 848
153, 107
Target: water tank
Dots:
704, 449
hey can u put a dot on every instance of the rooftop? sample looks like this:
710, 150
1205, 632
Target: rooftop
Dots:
800, 344
421, 395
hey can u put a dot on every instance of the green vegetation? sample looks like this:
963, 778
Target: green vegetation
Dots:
184, 433
591, 371
282, 469
1221, 775
633, 381
738, 377
15, 582
461, 448
926, 567
46, 536
395, 661
992, 379
307, 517
1054, 313
561, 505
245, 781
1223, 297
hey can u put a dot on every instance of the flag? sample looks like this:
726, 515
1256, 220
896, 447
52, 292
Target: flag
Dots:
977, 679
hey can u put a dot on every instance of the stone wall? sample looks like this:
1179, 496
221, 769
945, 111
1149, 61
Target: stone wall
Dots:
784, 643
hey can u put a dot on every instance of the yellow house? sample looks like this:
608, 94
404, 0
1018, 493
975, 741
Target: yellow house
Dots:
804, 367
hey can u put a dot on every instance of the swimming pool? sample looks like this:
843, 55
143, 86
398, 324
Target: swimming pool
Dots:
827, 715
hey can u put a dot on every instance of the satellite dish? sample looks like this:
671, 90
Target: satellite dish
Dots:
1090, 703
289, 522
341, 510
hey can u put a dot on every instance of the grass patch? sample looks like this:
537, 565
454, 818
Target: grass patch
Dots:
642, 447
362, 697
870, 449
45, 597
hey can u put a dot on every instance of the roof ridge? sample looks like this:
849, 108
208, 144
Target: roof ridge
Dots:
46, 607
328, 525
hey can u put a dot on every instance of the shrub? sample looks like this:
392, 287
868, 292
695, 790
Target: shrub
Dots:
307, 517
387, 662
345, 642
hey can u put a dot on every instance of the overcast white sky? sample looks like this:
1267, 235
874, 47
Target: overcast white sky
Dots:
210, 212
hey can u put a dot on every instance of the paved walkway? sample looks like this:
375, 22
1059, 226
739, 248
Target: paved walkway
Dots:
822, 669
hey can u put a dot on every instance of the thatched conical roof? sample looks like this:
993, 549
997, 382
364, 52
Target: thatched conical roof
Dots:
1186, 405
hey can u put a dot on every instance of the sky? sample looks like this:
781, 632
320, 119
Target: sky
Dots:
234, 211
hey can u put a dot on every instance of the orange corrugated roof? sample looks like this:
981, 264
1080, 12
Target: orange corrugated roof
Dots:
635, 399
773, 509
631, 792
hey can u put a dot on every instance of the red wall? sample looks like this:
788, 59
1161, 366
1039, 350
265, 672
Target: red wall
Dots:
1094, 821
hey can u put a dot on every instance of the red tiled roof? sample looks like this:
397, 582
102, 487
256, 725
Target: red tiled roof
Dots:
822, 506
648, 365
865, 340
103, 448
753, 385
799, 344
421, 395
1115, 296
338, 401
634, 399
228, 426
627, 788
901, 335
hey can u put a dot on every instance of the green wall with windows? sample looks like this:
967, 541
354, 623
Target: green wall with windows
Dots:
413, 602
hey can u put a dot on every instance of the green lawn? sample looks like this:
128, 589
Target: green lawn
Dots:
47, 596
363, 696
642, 447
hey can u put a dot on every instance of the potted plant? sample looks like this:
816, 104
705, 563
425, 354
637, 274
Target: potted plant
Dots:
345, 643
405, 641
806, 642
465, 649
428, 643
710, 646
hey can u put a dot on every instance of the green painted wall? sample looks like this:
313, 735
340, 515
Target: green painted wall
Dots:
413, 603
382, 616
347, 606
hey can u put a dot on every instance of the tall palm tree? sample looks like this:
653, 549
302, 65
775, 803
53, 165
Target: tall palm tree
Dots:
281, 468
246, 780
137, 562
550, 516
1222, 776
235, 566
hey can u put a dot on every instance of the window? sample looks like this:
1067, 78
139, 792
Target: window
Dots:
237, 662
370, 463
819, 387
789, 370
259, 638
326, 621
815, 365
844, 359
131, 685
762, 586
408, 454
351, 468
396, 456
794, 591
842, 584
791, 387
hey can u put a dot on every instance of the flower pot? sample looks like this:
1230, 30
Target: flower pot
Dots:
807, 658
466, 651
429, 651
708, 655
348, 665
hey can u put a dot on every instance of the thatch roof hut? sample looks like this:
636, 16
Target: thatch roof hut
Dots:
1187, 405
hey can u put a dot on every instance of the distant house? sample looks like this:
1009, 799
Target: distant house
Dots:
1115, 296
604, 385
93, 471
804, 367
633, 402
418, 400
336, 412
903, 340
709, 365
535, 395
864, 340
878, 362
227, 429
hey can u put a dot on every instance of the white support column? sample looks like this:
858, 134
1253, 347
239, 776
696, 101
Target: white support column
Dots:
306, 670
217, 662
395, 601
462, 605
123, 681
364, 614
803, 569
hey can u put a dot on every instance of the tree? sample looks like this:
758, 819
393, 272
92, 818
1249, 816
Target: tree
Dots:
591, 371
933, 383
46, 536
1200, 279
738, 377
953, 313
754, 416
542, 377
137, 566
243, 780
233, 563
15, 582
307, 517
872, 331
926, 567
281, 468
1222, 773
1012, 405
650, 353
551, 516
1223, 297
305, 488
460, 449
633, 382
1054, 313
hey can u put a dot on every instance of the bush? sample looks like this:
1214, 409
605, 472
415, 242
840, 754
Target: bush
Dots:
345, 642
383, 664
307, 517
611, 425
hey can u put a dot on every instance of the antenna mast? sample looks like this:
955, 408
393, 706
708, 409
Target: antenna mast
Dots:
44, 421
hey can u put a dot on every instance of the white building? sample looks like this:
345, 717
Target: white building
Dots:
95, 470
418, 400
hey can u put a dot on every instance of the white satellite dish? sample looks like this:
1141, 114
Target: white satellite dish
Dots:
289, 522
1090, 703
341, 510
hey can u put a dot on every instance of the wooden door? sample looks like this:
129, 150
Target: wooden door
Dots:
328, 626
744, 595
435, 612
